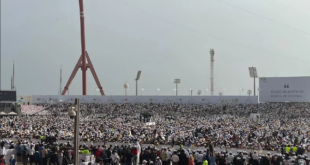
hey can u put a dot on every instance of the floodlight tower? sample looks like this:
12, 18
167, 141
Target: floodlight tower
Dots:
211, 70
176, 81
13, 78
138, 77
253, 74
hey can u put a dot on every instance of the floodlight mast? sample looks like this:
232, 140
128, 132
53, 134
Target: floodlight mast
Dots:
253, 74
176, 81
138, 77
212, 70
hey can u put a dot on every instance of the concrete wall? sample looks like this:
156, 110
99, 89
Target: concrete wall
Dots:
26, 99
146, 99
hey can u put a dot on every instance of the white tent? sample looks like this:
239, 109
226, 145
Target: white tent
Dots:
12, 113
3, 113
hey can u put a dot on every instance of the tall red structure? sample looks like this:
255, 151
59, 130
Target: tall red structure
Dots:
82, 60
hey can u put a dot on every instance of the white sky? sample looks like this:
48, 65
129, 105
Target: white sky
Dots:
166, 39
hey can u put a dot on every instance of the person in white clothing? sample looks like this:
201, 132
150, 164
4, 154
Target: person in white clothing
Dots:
158, 161
175, 159
230, 158
115, 158
31, 152
199, 158
2, 149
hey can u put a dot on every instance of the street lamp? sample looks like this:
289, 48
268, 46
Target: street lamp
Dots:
138, 77
111, 92
190, 91
74, 113
177, 81
157, 91
253, 74
207, 90
223, 89
142, 89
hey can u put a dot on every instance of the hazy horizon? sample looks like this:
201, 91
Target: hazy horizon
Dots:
163, 39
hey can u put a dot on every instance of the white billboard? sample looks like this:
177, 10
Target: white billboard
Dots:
284, 89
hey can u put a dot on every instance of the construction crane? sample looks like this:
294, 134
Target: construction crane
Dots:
212, 70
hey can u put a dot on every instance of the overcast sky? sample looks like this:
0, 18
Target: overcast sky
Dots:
165, 39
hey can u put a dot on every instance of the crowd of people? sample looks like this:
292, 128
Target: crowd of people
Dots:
31, 109
279, 127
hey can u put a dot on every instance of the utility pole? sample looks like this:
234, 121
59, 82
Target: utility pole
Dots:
176, 81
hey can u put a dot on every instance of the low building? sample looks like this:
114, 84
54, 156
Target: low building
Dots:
8, 104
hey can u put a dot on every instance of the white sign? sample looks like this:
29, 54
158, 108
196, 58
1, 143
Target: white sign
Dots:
36, 99
150, 123
284, 89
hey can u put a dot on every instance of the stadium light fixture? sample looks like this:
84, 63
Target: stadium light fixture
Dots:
138, 77
142, 89
207, 90
177, 81
253, 74
157, 90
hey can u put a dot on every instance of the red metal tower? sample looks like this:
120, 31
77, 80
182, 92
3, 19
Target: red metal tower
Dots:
82, 60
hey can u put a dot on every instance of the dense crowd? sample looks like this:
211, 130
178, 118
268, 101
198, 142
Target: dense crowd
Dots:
280, 127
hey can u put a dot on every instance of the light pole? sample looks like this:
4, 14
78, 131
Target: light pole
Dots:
253, 74
223, 89
157, 91
111, 92
138, 77
142, 89
207, 90
74, 113
190, 91
177, 81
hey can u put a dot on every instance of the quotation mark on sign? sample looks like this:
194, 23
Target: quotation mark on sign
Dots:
286, 86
